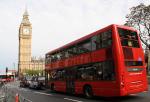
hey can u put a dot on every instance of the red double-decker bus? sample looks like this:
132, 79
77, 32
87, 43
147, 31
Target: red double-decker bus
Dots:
108, 62
8, 78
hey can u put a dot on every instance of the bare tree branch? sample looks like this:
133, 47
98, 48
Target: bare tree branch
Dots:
139, 18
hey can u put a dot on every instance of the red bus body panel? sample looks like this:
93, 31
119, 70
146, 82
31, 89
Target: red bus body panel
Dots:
125, 82
130, 82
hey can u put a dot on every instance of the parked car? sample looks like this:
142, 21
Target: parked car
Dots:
25, 81
41, 81
37, 82
29, 78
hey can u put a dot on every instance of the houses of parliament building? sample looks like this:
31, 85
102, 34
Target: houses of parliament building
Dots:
25, 61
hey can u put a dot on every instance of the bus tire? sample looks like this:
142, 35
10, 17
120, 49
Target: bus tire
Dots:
88, 92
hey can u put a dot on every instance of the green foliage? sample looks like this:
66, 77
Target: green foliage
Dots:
33, 72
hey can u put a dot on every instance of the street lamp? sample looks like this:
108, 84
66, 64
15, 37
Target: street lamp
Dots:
14, 71
6, 72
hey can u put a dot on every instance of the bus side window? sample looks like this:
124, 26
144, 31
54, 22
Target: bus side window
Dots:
52, 75
74, 50
106, 38
58, 56
128, 38
84, 47
108, 70
96, 42
54, 57
80, 71
71, 51
62, 54
90, 73
86, 73
99, 71
48, 59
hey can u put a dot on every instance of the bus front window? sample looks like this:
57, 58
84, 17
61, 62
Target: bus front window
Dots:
128, 38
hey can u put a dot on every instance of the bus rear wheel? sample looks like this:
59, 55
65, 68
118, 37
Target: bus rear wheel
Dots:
88, 92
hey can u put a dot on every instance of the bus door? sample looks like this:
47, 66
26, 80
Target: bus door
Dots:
70, 81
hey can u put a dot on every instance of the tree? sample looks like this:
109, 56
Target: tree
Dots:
33, 72
139, 18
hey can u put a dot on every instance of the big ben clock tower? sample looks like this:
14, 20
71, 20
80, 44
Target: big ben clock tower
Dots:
25, 36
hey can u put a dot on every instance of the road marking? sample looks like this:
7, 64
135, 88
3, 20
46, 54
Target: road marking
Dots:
133, 94
28, 100
43, 93
145, 91
25, 99
23, 89
72, 100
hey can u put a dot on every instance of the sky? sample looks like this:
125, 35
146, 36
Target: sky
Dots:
56, 23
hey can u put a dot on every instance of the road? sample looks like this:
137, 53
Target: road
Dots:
47, 96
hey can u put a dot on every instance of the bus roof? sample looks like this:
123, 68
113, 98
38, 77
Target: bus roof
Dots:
86, 37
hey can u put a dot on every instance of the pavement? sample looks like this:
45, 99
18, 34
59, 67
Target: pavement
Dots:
46, 96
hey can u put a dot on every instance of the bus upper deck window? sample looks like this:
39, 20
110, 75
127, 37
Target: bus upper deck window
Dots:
128, 38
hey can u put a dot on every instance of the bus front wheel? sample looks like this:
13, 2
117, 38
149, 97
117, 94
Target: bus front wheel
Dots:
88, 92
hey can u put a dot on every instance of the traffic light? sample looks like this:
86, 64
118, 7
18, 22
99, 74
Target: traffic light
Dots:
6, 69
6, 73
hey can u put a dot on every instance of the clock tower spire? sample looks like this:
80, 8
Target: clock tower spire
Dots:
25, 19
25, 37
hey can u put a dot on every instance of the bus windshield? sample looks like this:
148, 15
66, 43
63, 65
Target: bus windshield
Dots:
128, 38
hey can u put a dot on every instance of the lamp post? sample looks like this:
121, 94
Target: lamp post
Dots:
14, 71
6, 72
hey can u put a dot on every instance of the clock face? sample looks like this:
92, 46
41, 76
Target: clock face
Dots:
26, 31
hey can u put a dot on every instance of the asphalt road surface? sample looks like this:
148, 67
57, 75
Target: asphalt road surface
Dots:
47, 96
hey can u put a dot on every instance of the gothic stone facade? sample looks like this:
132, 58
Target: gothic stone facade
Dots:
24, 57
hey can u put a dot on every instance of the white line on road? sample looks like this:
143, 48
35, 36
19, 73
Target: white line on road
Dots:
23, 89
43, 93
145, 91
133, 94
25, 99
72, 100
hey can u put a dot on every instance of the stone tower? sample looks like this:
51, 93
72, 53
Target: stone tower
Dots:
25, 37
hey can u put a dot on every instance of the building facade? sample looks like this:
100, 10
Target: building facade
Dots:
25, 62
